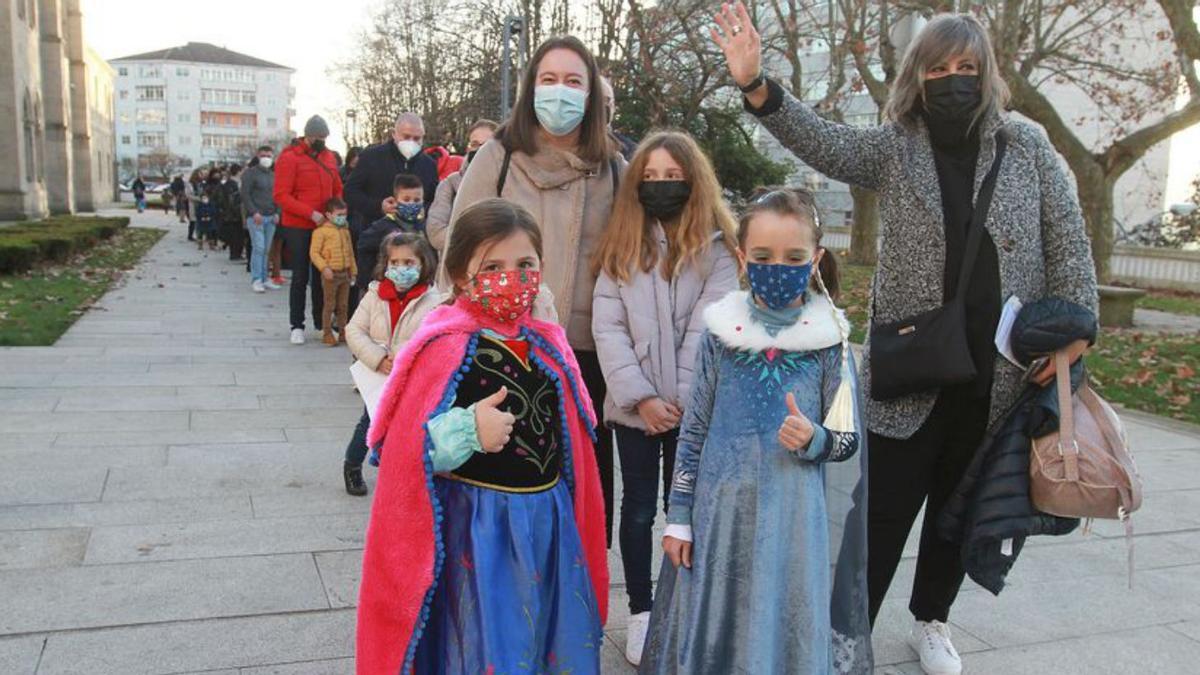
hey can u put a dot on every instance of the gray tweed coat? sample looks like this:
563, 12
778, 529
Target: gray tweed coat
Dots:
1034, 220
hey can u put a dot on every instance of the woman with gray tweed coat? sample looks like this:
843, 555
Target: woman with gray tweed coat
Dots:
927, 163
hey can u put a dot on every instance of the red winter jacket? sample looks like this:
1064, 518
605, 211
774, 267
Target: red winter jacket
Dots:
303, 183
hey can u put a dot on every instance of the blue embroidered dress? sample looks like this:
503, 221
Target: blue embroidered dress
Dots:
778, 576
515, 595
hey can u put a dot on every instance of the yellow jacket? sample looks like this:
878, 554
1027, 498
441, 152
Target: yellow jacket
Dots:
331, 248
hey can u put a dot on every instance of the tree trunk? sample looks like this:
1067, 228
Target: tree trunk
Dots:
864, 234
1096, 200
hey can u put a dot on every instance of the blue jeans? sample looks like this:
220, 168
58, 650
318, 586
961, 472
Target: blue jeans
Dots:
356, 451
260, 242
639, 453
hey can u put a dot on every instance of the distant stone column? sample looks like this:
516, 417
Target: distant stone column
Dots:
83, 162
56, 99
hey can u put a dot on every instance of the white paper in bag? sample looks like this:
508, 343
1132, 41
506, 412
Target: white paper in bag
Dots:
370, 385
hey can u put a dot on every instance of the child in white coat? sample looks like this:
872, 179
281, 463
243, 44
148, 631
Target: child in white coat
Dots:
400, 295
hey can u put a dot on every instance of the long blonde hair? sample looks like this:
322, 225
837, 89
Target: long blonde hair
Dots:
629, 238
945, 36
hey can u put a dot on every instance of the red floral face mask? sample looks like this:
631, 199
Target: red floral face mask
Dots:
505, 294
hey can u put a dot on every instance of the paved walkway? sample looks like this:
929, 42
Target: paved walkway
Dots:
171, 502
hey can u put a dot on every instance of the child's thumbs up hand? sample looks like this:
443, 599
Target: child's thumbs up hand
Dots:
796, 431
492, 425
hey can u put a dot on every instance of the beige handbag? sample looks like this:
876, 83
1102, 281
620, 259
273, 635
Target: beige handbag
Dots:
1085, 469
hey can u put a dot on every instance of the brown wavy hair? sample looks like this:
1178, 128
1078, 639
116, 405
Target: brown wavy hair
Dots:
520, 132
629, 238
484, 224
800, 204
419, 245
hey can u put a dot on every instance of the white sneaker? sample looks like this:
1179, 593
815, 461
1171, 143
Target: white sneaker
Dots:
257, 286
635, 637
272, 285
931, 641
297, 336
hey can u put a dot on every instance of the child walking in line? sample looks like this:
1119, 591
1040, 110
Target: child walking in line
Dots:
765, 568
668, 253
332, 252
409, 216
206, 222
400, 294
485, 551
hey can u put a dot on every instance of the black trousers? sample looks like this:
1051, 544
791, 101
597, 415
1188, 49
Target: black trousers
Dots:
641, 454
297, 241
593, 379
903, 474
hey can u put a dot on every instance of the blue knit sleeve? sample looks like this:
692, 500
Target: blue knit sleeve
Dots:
454, 438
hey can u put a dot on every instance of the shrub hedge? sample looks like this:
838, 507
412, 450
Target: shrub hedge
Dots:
55, 239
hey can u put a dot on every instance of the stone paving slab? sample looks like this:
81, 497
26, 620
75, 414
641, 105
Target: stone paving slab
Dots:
99, 514
171, 502
41, 549
225, 538
179, 647
153, 592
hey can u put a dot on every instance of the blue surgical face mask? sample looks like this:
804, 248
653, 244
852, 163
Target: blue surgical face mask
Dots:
340, 220
778, 286
409, 211
403, 277
559, 108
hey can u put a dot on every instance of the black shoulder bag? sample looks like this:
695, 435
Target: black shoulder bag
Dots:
929, 350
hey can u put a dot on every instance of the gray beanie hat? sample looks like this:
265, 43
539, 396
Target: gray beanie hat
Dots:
316, 127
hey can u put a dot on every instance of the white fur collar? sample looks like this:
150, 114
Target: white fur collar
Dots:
730, 321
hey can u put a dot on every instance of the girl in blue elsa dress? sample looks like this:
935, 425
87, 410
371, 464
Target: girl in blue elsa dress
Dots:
765, 568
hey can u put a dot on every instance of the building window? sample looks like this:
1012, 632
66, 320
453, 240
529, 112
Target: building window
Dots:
150, 71
124, 94
124, 140
184, 95
185, 140
151, 116
125, 117
181, 71
248, 98
228, 119
154, 93
152, 139
272, 123
123, 71
184, 117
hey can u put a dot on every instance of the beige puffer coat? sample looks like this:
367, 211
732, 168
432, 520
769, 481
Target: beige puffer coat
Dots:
369, 332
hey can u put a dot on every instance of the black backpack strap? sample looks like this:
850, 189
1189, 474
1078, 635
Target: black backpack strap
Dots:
503, 172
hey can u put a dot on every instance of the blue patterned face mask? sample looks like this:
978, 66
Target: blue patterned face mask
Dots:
403, 277
409, 211
778, 286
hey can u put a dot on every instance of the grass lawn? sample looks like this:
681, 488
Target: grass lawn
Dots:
38, 306
1152, 372
1175, 302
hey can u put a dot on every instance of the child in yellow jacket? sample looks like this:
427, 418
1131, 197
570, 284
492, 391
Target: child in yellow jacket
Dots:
333, 253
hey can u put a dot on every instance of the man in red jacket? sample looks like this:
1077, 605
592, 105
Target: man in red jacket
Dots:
306, 176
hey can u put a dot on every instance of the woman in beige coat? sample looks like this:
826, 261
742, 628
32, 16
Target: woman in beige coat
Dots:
388, 314
555, 157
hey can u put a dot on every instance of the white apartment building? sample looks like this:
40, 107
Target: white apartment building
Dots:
197, 104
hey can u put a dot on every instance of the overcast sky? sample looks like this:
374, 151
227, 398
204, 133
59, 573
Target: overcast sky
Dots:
308, 35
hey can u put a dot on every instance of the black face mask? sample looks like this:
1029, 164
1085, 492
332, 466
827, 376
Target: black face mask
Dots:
317, 145
664, 199
954, 98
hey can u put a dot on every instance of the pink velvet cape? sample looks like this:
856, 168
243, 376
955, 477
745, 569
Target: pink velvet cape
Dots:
403, 554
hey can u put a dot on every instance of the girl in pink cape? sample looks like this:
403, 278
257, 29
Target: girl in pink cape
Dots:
485, 551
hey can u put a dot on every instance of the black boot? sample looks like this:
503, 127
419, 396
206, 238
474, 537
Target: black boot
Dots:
355, 484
